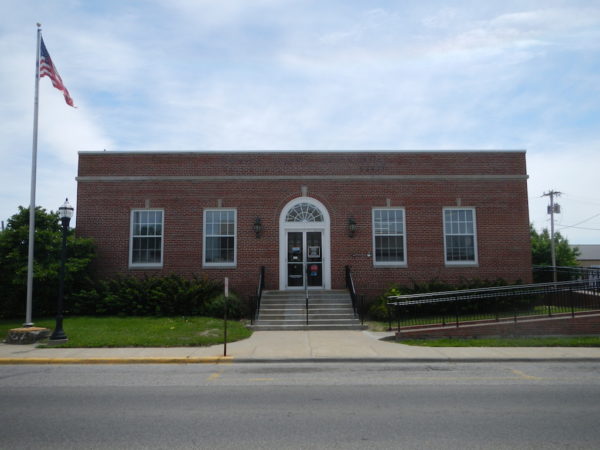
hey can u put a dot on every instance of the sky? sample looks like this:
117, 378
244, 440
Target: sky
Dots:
308, 75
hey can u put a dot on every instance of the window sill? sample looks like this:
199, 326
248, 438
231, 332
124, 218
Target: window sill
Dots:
219, 266
462, 264
145, 266
390, 265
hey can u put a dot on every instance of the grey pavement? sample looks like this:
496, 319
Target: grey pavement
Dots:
294, 346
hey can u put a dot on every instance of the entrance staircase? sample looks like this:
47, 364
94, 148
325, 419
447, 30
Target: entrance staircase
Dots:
286, 310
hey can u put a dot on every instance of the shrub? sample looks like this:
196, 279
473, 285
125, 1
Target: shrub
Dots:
215, 307
148, 296
379, 309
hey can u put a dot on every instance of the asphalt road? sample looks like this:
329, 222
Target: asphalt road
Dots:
278, 406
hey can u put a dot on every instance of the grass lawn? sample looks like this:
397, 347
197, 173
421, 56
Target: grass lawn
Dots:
566, 341
140, 331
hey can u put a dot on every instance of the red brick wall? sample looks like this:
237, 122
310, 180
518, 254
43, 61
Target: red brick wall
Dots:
415, 182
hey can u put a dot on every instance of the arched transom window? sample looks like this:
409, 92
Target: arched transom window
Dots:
304, 212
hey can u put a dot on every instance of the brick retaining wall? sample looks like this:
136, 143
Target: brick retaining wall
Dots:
582, 324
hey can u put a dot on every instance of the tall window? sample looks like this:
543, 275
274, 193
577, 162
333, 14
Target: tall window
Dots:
219, 237
146, 244
460, 236
389, 238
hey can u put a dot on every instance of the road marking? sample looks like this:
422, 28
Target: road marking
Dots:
524, 375
214, 376
454, 378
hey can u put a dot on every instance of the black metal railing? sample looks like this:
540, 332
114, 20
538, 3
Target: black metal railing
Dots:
306, 295
351, 288
357, 301
255, 299
543, 274
495, 303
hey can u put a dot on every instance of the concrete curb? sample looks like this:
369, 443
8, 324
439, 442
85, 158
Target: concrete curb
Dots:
416, 360
230, 360
129, 360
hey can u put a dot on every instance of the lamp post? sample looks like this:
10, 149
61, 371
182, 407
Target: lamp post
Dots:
65, 213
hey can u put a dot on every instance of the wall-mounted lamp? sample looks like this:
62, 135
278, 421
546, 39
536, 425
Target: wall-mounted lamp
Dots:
257, 227
351, 227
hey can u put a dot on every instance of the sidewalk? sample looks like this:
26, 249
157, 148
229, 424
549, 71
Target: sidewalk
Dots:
294, 346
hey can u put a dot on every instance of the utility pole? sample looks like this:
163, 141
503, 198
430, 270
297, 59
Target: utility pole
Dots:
552, 209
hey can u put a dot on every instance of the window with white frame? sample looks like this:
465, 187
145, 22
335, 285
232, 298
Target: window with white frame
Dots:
219, 237
146, 243
460, 237
304, 212
389, 237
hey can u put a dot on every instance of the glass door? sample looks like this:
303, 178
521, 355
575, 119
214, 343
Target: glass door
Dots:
295, 260
304, 259
314, 259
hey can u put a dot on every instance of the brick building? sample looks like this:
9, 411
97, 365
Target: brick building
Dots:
394, 217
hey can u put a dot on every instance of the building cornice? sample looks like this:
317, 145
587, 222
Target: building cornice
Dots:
143, 178
288, 152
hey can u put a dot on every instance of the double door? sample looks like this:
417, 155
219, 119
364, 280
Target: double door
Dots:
304, 259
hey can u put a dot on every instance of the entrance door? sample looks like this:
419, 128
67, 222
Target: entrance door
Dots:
304, 245
304, 259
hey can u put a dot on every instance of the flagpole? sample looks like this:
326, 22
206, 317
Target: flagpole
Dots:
28, 322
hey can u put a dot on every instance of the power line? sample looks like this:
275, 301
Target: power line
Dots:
583, 221
580, 228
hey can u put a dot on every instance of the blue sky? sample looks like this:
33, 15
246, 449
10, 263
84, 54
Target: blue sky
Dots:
308, 75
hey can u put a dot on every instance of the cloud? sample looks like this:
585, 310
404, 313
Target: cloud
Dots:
570, 168
271, 74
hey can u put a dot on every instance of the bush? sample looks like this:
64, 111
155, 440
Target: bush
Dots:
379, 309
215, 307
148, 296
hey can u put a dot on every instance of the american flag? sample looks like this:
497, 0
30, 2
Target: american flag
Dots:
47, 69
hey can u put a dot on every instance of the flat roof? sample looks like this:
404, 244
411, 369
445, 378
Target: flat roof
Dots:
588, 251
187, 152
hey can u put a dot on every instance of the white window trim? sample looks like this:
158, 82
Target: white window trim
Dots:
159, 265
235, 239
403, 263
473, 263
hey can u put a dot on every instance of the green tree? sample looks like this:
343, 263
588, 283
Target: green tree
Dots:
14, 243
541, 253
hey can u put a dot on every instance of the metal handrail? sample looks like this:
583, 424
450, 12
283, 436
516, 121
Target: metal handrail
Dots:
496, 291
566, 272
566, 297
306, 294
259, 291
572, 269
351, 288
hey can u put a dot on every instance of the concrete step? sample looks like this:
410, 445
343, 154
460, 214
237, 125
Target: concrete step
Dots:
331, 298
286, 310
259, 327
344, 310
302, 321
301, 294
311, 317
311, 301
324, 307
